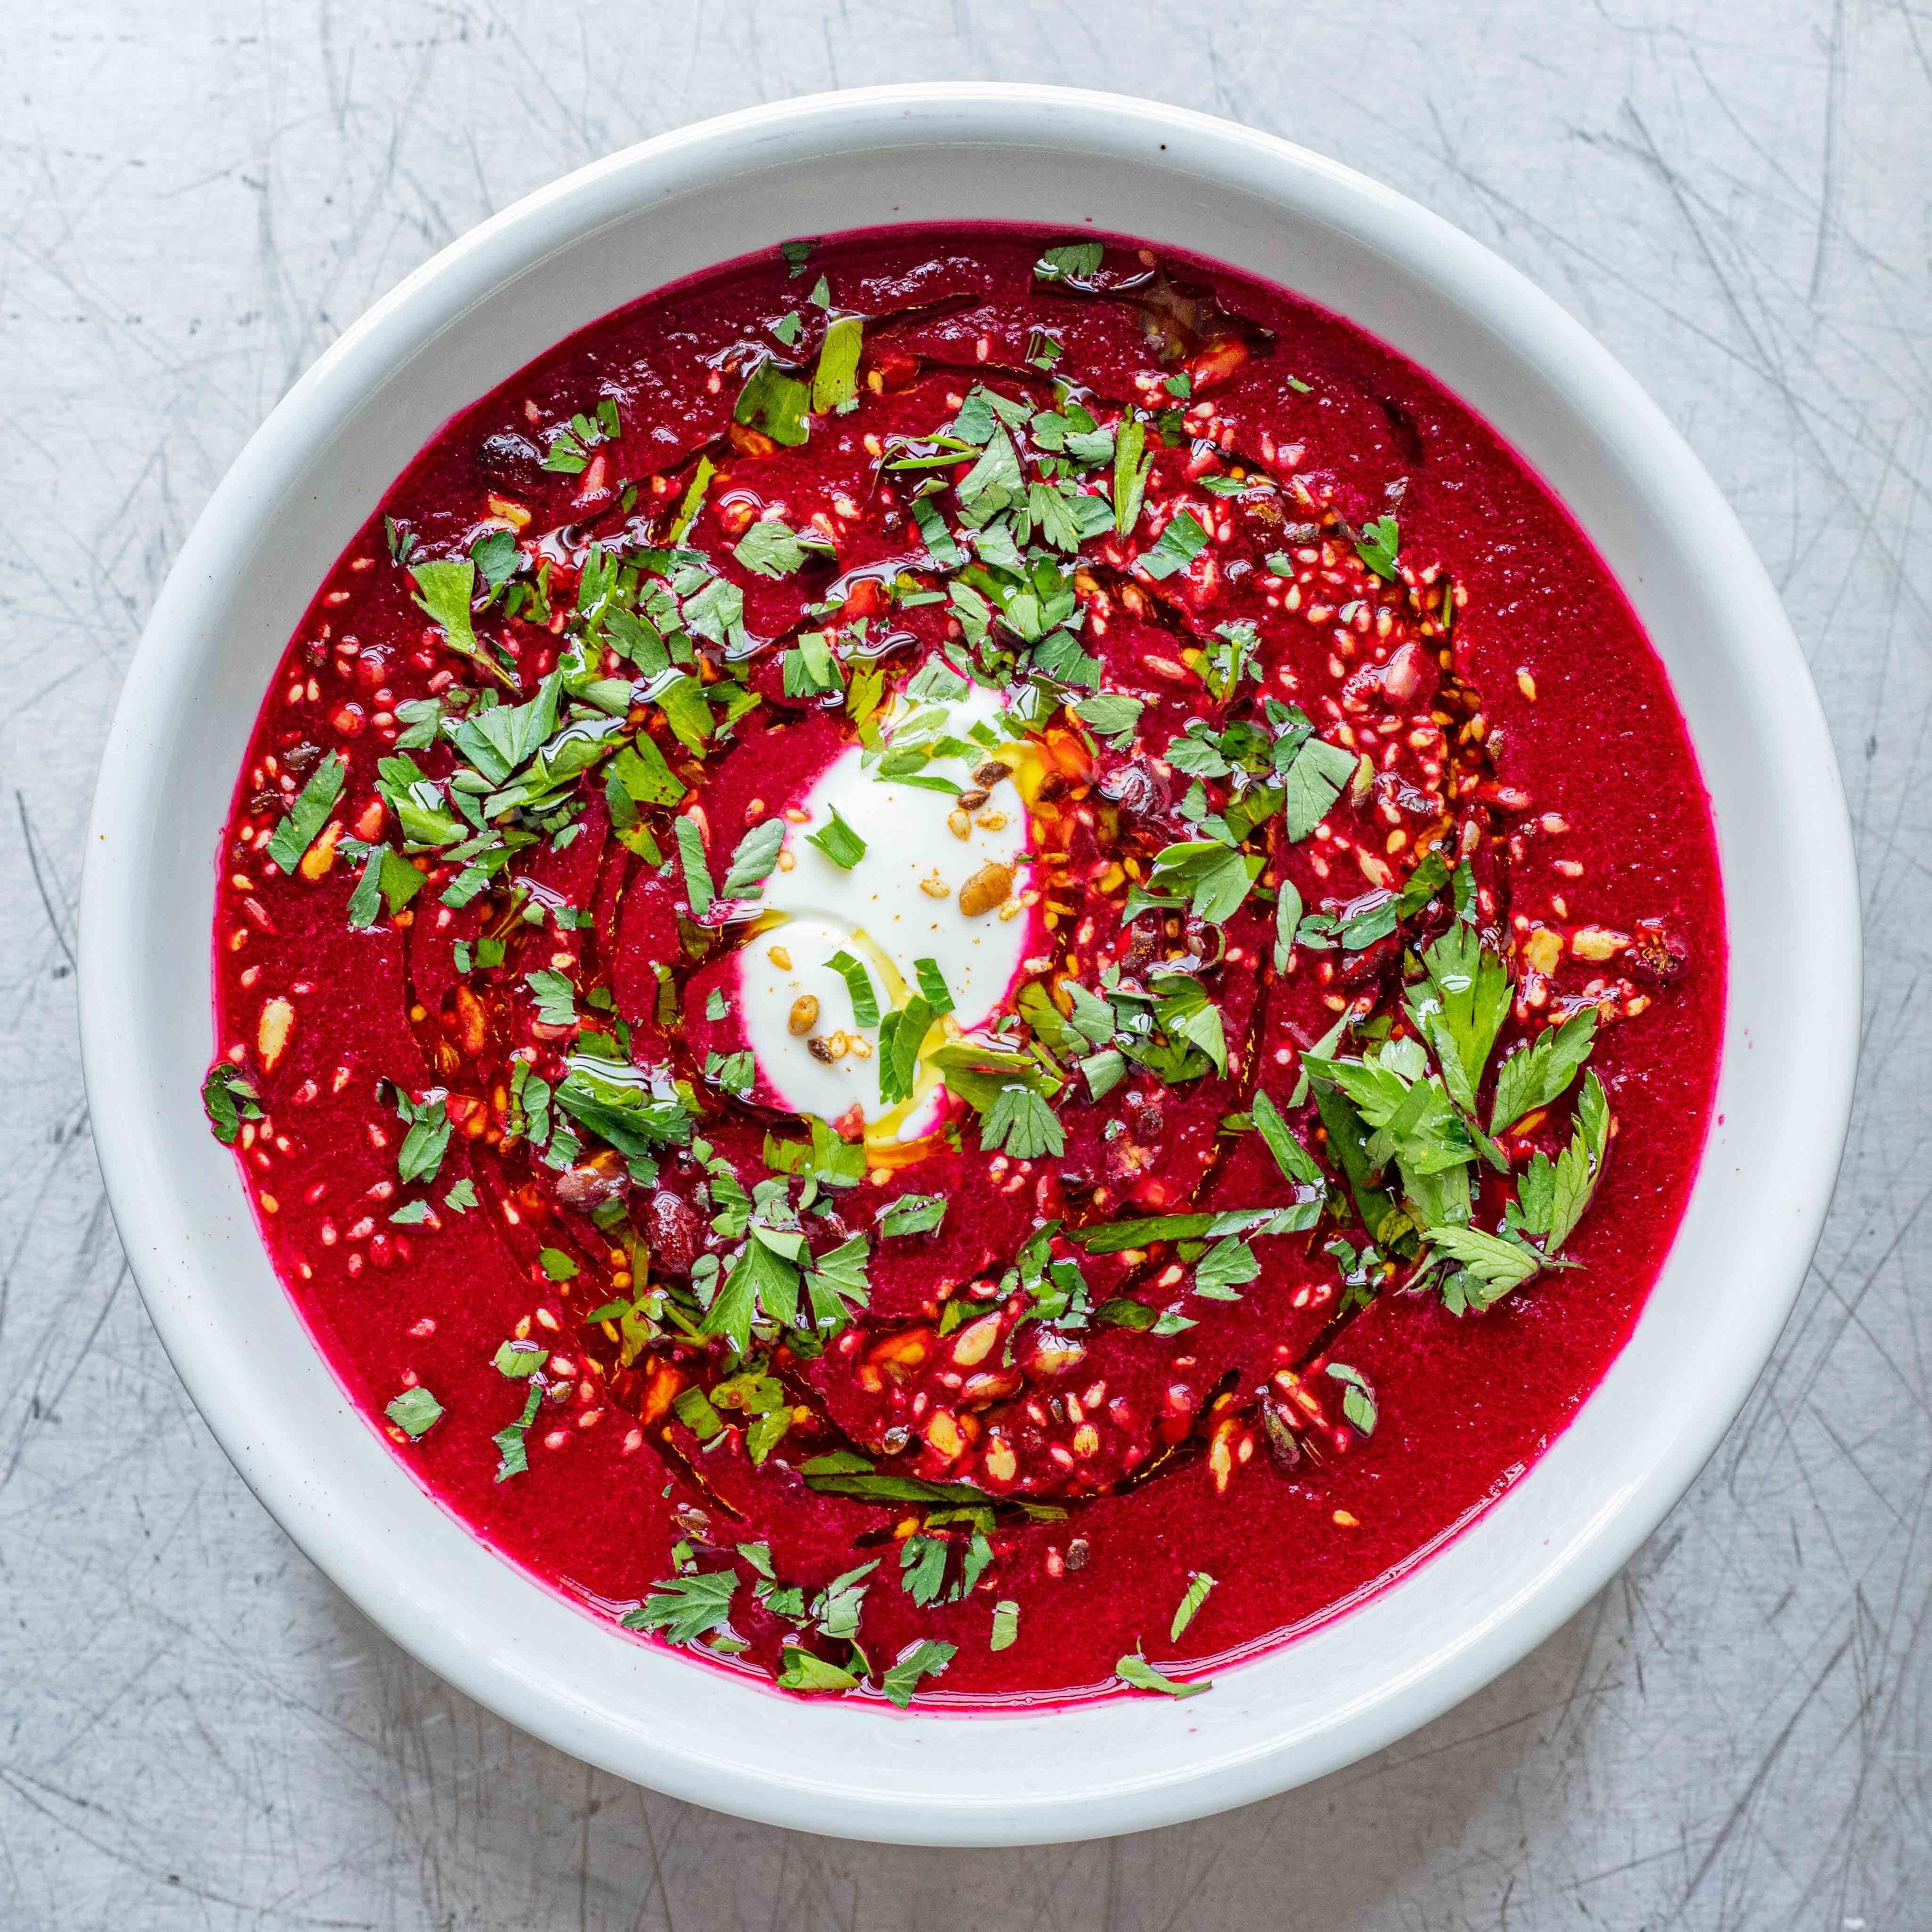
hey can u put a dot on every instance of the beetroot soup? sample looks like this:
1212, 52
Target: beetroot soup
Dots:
963, 966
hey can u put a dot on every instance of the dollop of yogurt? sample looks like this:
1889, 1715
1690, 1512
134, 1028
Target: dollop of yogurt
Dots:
933, 858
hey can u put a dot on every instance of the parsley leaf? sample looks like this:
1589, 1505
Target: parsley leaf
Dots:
752, 862
297, 832
901, 1034
939, 541
913, 1214
557, 997
761, 1281
1312, 784
692, 1407
388, 880
693, 500
1022, 1122
444, 591
1092, 1016
1226, 1265
1068, 261
827, 1159
769, 549
837, 841
1534, 1075
685, 1608
858, 984
924, 1659
1377, 546
1197, 751
1295, 1162
640, 769
1105, 1071
1217, 878
1134, 1670
415, 1412
228, 1099
512, 1449
932, 984
1462, 1009
1493, 1265
1112, 716
992, 482
495, 556
1177, 546
775, 402
1130, 472
802, 1670
834, 383
420, 1156
1552, 1197
687, 711
1199, 1585
697, 887
922, 1568
735, 1073
810, 669
1287, 922
1358, 1399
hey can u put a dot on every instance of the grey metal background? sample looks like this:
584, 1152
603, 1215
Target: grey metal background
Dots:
196, 1730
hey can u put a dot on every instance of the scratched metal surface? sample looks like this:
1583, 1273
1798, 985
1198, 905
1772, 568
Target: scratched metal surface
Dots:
196, 1730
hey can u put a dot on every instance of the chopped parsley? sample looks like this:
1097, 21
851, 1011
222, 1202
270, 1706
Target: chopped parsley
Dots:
512, 1447
858, 984
297, 832
1195, 1594
769, 549
1022, 1122
775, 404
1113, 717
923, 1659
932, 985
1135, 1671
686, 1608
1358, 1399
752, 862
698, 890
415, 1412
1377, 546
228, 1098
1177, 546
913, 1214
837, 841
834, 383
1069, 261
420, 1156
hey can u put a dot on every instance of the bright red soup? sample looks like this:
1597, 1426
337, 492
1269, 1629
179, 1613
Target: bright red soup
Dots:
960, 966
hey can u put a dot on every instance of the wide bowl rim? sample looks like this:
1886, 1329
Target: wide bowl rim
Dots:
171, 1282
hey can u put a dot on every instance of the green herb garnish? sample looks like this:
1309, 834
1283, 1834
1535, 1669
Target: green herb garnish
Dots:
1135, 1671
415, 1412
837, 841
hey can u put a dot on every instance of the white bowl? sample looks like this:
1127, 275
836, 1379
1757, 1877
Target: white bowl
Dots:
1057, 160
